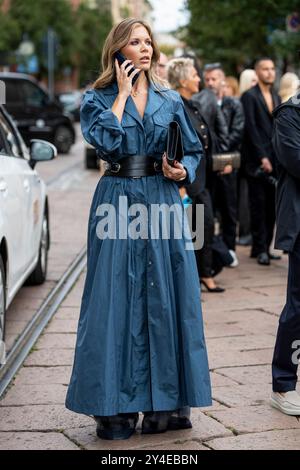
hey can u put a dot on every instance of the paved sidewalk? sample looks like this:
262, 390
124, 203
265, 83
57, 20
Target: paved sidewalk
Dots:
240, 329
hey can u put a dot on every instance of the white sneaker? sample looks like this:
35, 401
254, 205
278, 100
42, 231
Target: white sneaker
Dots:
235, 261
288, 402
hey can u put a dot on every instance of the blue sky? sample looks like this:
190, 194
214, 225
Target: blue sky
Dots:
168, 15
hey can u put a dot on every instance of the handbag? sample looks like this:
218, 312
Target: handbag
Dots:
174, 143
220, 160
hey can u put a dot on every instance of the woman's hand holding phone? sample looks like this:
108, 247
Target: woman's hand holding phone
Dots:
124, 77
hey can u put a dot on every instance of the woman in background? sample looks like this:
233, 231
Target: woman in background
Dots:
248, 79
183, 77
288, 86
231, 87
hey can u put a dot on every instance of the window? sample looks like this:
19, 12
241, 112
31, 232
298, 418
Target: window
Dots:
13, 94
10, 138
32, 95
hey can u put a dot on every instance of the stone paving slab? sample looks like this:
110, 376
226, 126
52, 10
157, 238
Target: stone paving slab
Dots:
272, 440
260, 374
62, 326
35, 395
35, 441
255, 419
40, 418
238, 358
56, 341
50, 357
242, 395
43, 376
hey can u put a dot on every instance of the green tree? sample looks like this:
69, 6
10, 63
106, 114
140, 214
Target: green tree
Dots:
236, 31
33, 18
94, 25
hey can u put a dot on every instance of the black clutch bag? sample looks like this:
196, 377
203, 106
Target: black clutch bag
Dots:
174, 143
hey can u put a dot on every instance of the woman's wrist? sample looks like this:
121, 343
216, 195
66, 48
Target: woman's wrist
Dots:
123, 96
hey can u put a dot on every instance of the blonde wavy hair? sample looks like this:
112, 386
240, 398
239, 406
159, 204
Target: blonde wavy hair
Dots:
179, 69
117, 39
288, 86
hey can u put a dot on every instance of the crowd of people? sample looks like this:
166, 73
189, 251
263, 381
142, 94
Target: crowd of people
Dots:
231, 115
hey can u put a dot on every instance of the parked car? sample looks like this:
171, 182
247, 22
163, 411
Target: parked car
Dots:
24, 213
36, 115
71, 102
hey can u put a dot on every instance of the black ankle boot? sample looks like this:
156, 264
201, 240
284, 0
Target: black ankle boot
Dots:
180, 419
155, 422
116, 427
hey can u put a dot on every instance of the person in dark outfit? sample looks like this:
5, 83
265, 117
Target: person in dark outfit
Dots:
225, 186
259, 159
183, 77
286, 140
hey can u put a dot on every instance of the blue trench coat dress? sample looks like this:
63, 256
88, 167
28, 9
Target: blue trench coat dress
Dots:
140, 341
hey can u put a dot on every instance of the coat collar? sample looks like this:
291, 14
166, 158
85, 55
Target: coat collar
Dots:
154, 102
275, 98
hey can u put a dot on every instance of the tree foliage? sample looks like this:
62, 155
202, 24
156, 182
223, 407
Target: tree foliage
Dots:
236, 31
80, 33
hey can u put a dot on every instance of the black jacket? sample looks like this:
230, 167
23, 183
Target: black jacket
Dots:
215, 119
286, 141
199, 124
257, 141
233, 112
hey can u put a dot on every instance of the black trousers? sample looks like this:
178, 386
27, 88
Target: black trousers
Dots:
224, 196
287, 347
262, 210
204, 257
243, 206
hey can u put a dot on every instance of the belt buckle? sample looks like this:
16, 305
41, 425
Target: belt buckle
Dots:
112, 167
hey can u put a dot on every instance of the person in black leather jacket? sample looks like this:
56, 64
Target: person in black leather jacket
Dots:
286, 143
183, 77
214, 118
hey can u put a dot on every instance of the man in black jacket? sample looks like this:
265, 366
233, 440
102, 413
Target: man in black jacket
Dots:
286, 357
225, 186
259, 160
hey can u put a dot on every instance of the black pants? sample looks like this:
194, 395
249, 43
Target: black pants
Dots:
204, 257
243, 207
224, 196
287, 347
262, 210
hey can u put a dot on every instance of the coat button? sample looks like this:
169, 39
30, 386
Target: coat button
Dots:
151, 284
150, 262
202, 126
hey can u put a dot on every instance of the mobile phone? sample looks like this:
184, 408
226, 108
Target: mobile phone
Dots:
121, 58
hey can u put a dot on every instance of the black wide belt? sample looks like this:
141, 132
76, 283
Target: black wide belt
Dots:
134, 166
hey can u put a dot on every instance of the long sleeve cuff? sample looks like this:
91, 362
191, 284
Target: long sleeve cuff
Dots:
109, 121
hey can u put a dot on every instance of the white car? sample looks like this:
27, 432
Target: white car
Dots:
24, 216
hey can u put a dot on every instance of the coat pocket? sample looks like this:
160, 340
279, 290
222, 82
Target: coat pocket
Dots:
161, 124
130, 139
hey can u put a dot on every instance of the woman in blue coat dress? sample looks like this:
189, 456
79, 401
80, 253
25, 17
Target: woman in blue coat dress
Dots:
140, 342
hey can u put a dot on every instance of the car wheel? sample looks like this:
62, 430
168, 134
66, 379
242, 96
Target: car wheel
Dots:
63, 139
38, 276
2, 305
